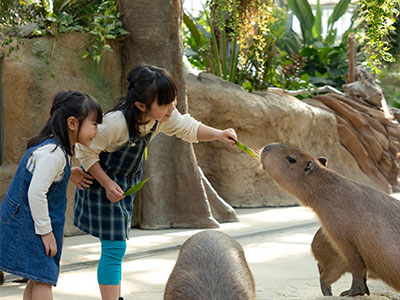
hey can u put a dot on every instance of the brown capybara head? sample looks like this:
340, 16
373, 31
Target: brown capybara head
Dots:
290, 167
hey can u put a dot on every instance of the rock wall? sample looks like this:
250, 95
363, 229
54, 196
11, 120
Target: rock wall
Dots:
371, 138
259, 119
44, 67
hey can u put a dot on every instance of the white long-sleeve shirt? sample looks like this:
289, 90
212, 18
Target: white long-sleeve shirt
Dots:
47, 166
113, 134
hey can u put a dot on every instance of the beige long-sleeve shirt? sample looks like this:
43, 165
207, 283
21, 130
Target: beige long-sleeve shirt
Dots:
47, 164
113, 134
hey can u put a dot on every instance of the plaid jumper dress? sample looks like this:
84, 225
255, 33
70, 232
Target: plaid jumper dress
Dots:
93, 212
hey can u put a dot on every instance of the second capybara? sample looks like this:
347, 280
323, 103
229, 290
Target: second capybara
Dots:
211, 265
331, 265
362, 223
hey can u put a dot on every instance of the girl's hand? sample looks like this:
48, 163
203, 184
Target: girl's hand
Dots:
228, 136
81, 179
114, 192
49, 242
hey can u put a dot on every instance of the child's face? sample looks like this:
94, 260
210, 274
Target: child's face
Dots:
161, 112
87, 132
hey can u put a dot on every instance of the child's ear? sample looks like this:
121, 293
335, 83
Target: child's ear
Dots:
141, 106
72, 123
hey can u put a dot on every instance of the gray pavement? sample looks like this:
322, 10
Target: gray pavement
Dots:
276, 242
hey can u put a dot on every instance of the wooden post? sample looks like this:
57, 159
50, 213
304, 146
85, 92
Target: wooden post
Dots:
351, 53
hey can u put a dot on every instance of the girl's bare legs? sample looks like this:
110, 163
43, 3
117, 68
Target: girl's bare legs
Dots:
28, 291
38, 291
109, 292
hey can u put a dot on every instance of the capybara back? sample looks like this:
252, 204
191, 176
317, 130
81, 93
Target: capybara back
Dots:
210, 265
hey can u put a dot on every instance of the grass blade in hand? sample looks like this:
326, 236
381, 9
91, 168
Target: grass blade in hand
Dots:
136, 187
247, 149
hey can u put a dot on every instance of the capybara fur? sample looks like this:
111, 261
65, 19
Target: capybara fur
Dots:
331, 265
2, 277
362, 224
210, 265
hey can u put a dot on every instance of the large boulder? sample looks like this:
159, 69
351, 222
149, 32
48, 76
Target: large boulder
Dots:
259, 119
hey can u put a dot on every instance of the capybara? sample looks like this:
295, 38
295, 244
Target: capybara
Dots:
2, 277
362, 224
210, 265
331, 265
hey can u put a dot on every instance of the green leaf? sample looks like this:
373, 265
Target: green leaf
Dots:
317, 28
331, 37
135, 188
302, 10
339, 10
122, 31
193, 28
85, 54
247, 149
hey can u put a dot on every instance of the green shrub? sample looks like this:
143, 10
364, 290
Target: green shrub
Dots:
35, 18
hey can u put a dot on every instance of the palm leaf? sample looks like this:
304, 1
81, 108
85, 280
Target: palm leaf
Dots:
302, 10
339, 10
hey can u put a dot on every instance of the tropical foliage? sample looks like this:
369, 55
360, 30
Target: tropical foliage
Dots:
276, 55
378, 19
325, 62
25, 18
227, 34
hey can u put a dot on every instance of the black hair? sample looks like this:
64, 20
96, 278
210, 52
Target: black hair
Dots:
146, 83
67, 104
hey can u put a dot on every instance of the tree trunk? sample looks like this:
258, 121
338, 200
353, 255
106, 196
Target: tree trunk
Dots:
175, 195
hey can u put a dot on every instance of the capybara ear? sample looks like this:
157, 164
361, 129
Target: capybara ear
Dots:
323, 160
309, 167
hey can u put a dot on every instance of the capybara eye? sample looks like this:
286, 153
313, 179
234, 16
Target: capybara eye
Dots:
291, 159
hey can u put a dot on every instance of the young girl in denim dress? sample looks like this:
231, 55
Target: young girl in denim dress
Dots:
115, 160
32, 213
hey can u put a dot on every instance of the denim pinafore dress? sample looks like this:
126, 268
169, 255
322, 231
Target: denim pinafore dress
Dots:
21, 250
93, 212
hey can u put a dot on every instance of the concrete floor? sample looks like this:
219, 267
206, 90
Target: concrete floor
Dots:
276, 243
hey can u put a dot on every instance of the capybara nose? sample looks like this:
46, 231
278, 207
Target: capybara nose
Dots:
269, 147
266, 149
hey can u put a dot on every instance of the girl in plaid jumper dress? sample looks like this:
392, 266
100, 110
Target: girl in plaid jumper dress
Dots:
115, 160
32, 213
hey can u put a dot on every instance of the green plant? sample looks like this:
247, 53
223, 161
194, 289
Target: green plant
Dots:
98, 18
227, 33
202, 49
324, 63
377, 19
311, 26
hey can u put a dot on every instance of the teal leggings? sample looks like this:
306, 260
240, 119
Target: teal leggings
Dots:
109, 268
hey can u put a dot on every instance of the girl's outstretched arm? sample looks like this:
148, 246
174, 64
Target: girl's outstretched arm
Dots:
113, 190
207, 134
